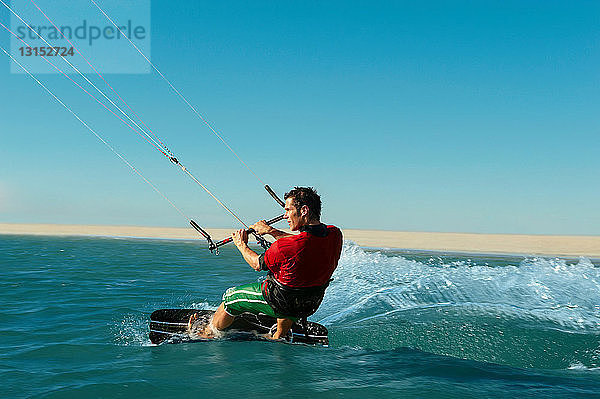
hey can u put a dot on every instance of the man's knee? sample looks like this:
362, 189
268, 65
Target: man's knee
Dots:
221, 319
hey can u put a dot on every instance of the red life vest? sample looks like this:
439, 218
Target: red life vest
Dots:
307, 259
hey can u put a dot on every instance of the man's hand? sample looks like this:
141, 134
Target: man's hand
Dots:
240, 238
262, 228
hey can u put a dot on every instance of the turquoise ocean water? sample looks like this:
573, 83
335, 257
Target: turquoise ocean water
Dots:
73, 324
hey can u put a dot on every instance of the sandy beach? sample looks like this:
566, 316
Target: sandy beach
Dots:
552, 245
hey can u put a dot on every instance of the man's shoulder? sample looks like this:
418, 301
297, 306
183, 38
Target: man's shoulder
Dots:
287, 242
291, 240
334, 229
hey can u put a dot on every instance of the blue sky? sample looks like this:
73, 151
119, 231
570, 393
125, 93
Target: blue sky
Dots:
422, 116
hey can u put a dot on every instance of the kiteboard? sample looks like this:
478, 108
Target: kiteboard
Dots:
171, 326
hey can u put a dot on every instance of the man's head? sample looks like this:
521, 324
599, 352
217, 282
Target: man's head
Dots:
302, 207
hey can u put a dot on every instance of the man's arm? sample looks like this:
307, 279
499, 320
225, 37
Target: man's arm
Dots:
240, 238
263, 228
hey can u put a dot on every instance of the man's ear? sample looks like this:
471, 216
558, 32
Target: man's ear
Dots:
304, 210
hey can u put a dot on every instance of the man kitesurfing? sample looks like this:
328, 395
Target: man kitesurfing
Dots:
300, 267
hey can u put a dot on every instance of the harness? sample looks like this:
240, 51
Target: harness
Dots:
291, 301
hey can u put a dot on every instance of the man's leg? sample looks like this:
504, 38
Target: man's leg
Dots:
283, 326
238, 300
219, 321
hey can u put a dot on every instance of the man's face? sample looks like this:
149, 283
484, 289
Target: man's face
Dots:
292, 214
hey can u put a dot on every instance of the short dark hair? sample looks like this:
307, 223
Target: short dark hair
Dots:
306, 196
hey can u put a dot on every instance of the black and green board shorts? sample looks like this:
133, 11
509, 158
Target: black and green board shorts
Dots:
248, 298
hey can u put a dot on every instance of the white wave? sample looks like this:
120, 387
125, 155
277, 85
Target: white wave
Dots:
378, 283
582, 367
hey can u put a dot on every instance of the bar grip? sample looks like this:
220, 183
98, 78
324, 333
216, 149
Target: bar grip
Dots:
249, 231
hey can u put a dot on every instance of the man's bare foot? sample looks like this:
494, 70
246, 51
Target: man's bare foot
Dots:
191, 322
199, 328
